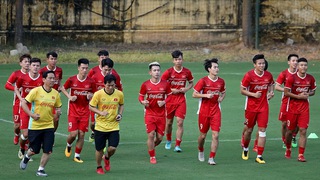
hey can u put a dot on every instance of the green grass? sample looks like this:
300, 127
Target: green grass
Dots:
131, 159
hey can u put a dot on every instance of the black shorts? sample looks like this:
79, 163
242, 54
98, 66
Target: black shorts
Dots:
100, 139
41, 138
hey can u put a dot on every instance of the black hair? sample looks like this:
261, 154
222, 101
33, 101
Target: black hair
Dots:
24, 56
32, 60
103, 53
107, 62
109, 78
208, 63
292, 55
52, 53
266, 65
302, 60
83, 61
45, 74
256, 57
176, 54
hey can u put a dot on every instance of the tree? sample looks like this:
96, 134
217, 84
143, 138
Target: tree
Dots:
247, 36
18, 33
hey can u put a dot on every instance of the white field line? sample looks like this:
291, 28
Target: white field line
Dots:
139, 142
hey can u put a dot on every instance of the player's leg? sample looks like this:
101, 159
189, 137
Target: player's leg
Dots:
47, 145
250, 120
151, 147
283, 132
294, 137
169, 123
203, 125
92, 117
100, 143
215, 124
35, 145
73, 125
16, 124
303, 122
291, 125
180, 114
113, 142
255, 144
82, 129
262, 121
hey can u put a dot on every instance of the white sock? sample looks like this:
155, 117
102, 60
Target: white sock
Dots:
76, 155
40, 168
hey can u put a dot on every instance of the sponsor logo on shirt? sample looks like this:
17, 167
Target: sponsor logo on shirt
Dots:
265, 86
304, 89
156, 96
81, 93
177, 83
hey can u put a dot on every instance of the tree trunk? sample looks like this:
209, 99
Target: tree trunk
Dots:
19, 22
247, 23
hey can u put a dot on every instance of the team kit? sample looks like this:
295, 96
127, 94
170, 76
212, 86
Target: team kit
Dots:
95, 97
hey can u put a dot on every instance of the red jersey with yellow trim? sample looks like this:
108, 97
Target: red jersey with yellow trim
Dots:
254, 83
177, 80
298, 85
79, 88
58, 75
206, 85
27, 83
154, 92
11, 82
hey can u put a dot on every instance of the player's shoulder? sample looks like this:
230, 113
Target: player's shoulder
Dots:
58, 69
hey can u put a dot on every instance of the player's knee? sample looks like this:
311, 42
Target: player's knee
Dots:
262, 134
23, 137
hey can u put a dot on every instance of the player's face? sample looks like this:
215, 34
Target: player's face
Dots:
109, 87
102, 57
52, 61
178, 61
106, 70
302, 67
259, 65
293, 62
34, 67
83, 69
155, 72
25, 63
214, 70
49, 81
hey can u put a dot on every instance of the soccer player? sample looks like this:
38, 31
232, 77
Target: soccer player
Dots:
103, 54
177, 76
81, 90
298, 88
282, 78
154, 93
52, 59
13, 78
211, 91
257, 86
108, 104
23, 86
41, 129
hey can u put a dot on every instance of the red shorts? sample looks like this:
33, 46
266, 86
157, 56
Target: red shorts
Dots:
24, 120
300, 120
154, 123
92, 116
178, 110
261, 118
283, 112
204, 122
78, 123
15, 113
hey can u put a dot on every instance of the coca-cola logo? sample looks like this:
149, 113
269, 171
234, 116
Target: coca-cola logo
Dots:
156, 96
213, 92
261, 87
45, 104
81, 93
177, 83
304, 89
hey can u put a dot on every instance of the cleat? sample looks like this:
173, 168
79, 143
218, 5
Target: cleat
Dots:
301, 158
201, 156
245, 155
91, 137
23, 164
168, 145
284, 146
177, 149
100, 170
211, 161
294, 142
242, 141
41, 173
260, 160
78, 160
16, 139
106, 164
288, 154
20, 154
255, 148
153, 160
67, 151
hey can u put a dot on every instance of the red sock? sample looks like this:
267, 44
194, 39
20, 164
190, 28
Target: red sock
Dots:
22, 144
246, 143
201, 149
78, 150
260, 150
255, 143
289, 145
168, 136
178, 142
301, 150
294, 135
152, 153
212, 154
284, 139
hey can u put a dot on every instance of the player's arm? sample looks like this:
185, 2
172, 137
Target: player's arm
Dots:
185, 89
9, 84
278, 87
303, 95
18, 93
64, 91
270, 91
27, 110
120, 111
221, 96
143, 101
244, 91
196, 94
97, 111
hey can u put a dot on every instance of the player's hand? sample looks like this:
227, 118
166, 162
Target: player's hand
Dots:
104, 113
210, 95
270, 95
257, 94
183, 90
145, 103
89, 95
73, 98
119, 117
175, 91
303, 95
161, 103
35, 116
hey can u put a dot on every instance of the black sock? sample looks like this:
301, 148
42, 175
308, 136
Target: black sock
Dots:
69, 149
99, 167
